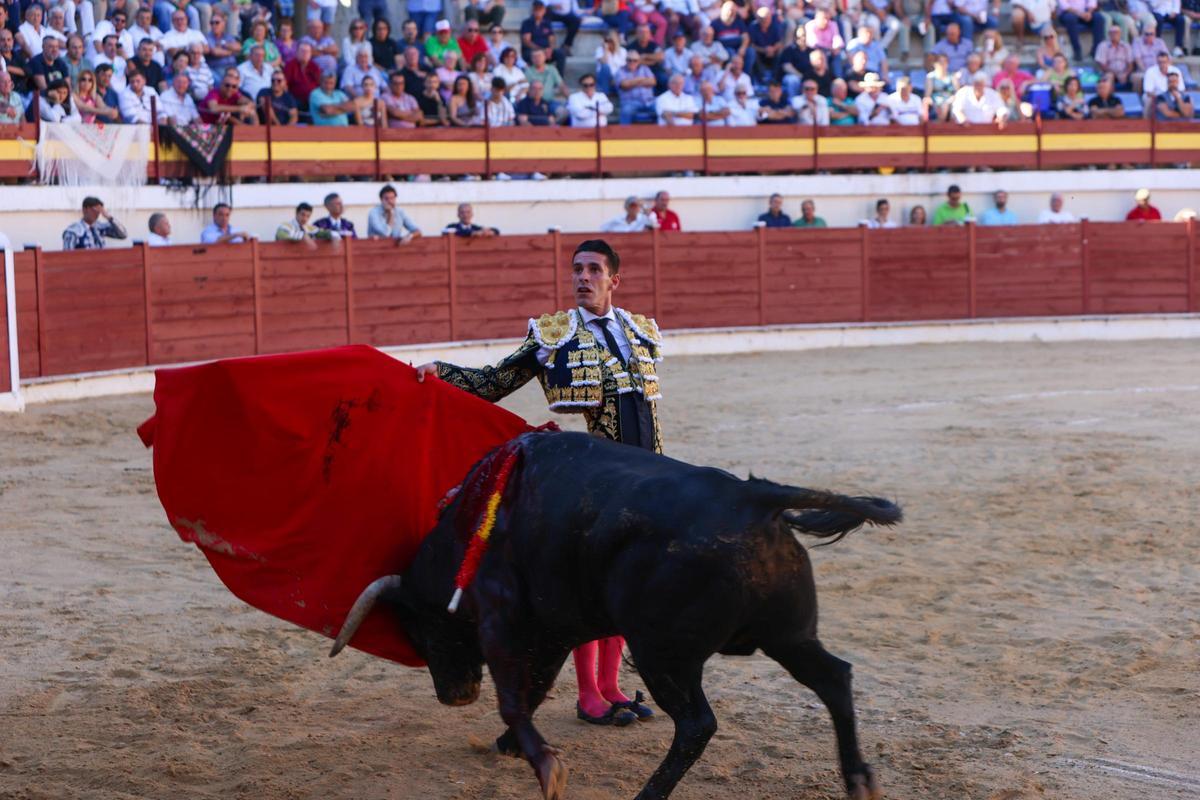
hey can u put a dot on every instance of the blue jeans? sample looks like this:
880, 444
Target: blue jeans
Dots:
372, 10
965, 21
1074, 25
791, 85
323, 13
635, 108
604, 79
425, 21
622, 22
1178, 22
163, 11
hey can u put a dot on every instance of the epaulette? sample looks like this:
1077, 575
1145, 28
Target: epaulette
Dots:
551, 330
645, 326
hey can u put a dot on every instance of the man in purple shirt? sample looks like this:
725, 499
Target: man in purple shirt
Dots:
1076, 15
635, 84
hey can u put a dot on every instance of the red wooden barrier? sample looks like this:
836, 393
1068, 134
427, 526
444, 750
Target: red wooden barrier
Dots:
1028, 271
5, 372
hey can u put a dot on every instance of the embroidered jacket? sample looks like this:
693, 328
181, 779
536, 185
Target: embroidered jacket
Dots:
580, 374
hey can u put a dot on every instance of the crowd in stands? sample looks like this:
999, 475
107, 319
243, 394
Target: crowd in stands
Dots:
670, 62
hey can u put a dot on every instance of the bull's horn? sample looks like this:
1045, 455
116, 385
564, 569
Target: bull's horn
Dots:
362, 606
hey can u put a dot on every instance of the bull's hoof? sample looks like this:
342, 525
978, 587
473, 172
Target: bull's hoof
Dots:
863, 786
552, 774
507, 745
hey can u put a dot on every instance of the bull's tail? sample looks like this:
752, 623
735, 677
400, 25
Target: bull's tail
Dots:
826, 515
362, 606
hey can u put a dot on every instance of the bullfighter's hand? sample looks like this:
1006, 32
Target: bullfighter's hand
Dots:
426, 369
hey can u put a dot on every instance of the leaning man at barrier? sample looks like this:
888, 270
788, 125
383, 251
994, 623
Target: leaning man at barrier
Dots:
597, 360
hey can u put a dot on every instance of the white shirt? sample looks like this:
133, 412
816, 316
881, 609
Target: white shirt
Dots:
1155, 83
743, 116
136, 109
583, 109
804, 114
181, 40
978, 110
589, 321
180, 109
727, 84
124, 39
907, 112
254, 81
875, 224
714, 106
681, 103
118, 72
643, 221
154, 240
33, 39
153, 34
867, 104
501, 114
354, 75
1048, 217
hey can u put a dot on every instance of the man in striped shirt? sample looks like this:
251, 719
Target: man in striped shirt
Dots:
89, 232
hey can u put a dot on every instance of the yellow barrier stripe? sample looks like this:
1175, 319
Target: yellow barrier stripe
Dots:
728, 148
322, 151
1056, 142
983, 144
548, 150
16, 150
432, 151
869, 145
648, 148
1178, 141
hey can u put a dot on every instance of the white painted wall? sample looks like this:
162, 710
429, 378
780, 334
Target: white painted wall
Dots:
39, 213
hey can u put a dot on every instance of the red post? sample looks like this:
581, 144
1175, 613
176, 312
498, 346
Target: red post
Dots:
704, 132
865, 278
655, 238
1153, 137
487, 143
1037, 127
452, 281
267, 115
39, 281
599, 147
1084, 266
1190, 305
256, 266
556, 241
380, 111
37, 116
146, 300
814, 140
761, 239
348, 264
155, 141
925, 145
971, 270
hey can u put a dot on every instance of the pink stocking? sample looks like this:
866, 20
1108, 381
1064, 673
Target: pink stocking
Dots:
590, 698
610, 669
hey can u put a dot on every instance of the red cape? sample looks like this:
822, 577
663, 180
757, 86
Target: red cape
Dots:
304, 477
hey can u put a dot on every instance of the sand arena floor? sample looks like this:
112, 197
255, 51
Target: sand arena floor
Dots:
1032, 630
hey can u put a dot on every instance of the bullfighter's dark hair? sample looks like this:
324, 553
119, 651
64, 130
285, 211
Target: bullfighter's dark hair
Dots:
603, 248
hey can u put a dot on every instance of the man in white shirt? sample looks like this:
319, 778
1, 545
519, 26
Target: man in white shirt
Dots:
713, 108
673, 106
733, 77
882, 209
180, 37
635, 219
678, 57
584, 105
1154, 82
743, 111
160, 230
108, 55
874, 107
256, 73
144, 28
906, 106
362, 67
978, 104
135, 101
708, 48
500, 112
811, 107
126, 46
1054, 215
175, 105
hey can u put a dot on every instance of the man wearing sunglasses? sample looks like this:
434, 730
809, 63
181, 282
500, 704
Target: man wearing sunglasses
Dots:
227, 103
586, 105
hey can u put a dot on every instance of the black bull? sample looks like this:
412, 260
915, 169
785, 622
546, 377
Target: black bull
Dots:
596, 539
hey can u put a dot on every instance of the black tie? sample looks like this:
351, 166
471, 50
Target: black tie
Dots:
610, 341
633, 415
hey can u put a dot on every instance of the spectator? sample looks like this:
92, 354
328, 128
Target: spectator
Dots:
713, 108
259, 38
105, 91
732, 78
14, 62
384, 52
810, 107
856, 73
136, 100
200, 76
1143, 211
255, 73
362, 67
465, 108
677, 58
89, 233
180, 37
465, 226
1072, 104
423, 15
994, 52
939, 90
414, 67
776, 110
499, 109
12, 108
1168, 13
176, 105
842, 110
1076, 15
144, 62
335, 225
401, 107
635, 84
794, 64
497, 45
365, 108
412, 36
587, 108
1191, 12
730, 30
1105, 104
651, 52
636, 219
882, 209
645, 12
941, 14
1157, 78
537, 34
684, 15
1016, 111
480, 76
325, 50
56, 103
916, 217
954, 211
774, 217
665, 218
328, 104
1115, 56
552, 81
278, 102
1145, 53
144, 28
978, 104
955, 47
302, 74
1174, 103
610, 58
673, 107
766, 38
433, 107
570, 15
533, 108
223, 47
697, 74
708, 48
387, 221
219, 231
227, 103
48, 66
821, 72
966, 75
998, 214
485, 12
285, 41
108, 55
298, 228
514, 76
31, 32
76, 61
907, 108
1057, 75
1011, 70
874, 107
1054, 215
808, 216
160, 229
1033, 16
355, 42
885, 25
875, 54
822, 34
471, 44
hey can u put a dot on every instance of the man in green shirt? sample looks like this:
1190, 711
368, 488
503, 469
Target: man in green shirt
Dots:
808, 216
551, 78
954, 211
441, 41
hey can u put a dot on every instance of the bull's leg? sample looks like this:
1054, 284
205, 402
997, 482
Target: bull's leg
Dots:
542, 672
829, 677
677, 689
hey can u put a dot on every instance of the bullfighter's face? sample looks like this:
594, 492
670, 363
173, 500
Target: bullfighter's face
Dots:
593, 283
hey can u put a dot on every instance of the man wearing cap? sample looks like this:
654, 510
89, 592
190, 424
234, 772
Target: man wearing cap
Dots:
1143, 211
874, 107
89, 233
442, 41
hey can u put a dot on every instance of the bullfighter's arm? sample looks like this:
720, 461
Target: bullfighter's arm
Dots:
495, 383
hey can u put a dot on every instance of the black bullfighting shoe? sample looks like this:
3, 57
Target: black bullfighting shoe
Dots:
616, 715
642, 712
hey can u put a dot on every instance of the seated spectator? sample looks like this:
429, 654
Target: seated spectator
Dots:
15, 63
610, 58
1121, 14
324, 49
645, 12
974, 67
713, 108
48, 66
552, 81
979, 14
1033, 16
712, 51
954, 211
743, 111
413, 36
144, 28
335, 223
56, 103
808, 216
200, 76
465, 226
402, 108
534, 109
1076, 15
587, 108
259, 38
285, 41
651, 52
146, 64
227, 103
1167, 13
387, 221
874, 107
1143, 211
766, 39
994, 52
998, 214
907, 108
677, 58
498, 110
160, 229
1115, 56
328, 104
1054, 215
354, 74
955, 47
635, 84
433, 107
774, 217
108, 55
481, 75
1105, 104
810, 107
684, 15
220, 231
673, 107
465, 108
876, 56
1145, 54
1072, 105
12, 108
486, 12
939, 90
255, 73
1157, 78
1174, 103
880, 221
180, 36
820, 72
856, 73
842, 110
513, 76
1011, 70
223, 47
384, 52
447, 72
355, 42
176, 105
635, 219
775, 109
1057, 75
978, 104
497, 45
794, 64
822, 34
298, 228
365, 109
733, 77
732, 32
697, 74
136, 100
278, 102
105, 91
537, 34
1017, 110
89, 232
665, 218
77, 62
